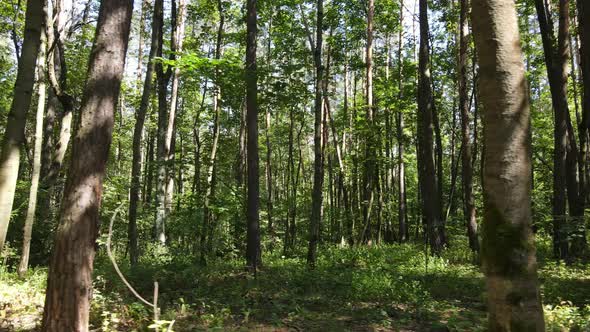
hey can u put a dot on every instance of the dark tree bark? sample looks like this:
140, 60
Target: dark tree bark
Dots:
556, 61
426, 158
69, 284
138, 131
318, 174
253, 254
14, 136
579, 244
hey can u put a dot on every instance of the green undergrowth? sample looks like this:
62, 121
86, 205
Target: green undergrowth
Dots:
385, 288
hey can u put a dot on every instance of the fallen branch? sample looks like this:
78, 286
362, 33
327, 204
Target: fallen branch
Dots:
133, 291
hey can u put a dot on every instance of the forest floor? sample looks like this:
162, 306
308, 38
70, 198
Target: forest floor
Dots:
386, 288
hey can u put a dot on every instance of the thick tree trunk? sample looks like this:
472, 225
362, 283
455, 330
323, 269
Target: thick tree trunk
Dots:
69, 284
137, 134
253, 254
318, 174
466, 158
30, 218
14, 135
426, 158
508, 249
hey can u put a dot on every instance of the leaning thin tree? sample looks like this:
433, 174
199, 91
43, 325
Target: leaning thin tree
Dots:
69, 284
14, 136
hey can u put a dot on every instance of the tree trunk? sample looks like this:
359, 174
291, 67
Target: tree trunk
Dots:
467, 171
253, 254
137, 134
508, 248
170, 140
57, 75
163, 79
15, 124
426, 158
579, 243
318, 174
556, 60
404, 234
206, 240
69, 284
269, 183
370, 169
30, 218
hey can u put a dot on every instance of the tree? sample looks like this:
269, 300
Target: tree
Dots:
69, 284
162, 150
318, 162
253, 254
21, 101
36, 172
138, 133
404, 234
466, 156
207, 232
556, 61
426, 159
508, 249
579, 243
369, 178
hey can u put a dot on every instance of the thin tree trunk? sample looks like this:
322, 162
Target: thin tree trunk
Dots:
30, 218
163, 79
169, 144
253, 254
579, 243
269, 183
137, 134
206, 239
404, 234
290, 190
57, 75
69, 284
508, 249
556, 59
370, 170
426, 158
14, 135
466, 158
318, 174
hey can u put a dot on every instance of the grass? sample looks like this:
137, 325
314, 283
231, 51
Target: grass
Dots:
386, 288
